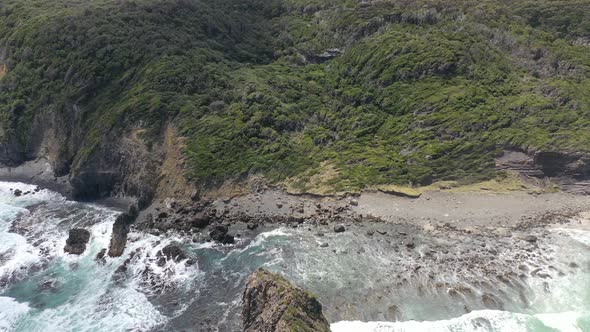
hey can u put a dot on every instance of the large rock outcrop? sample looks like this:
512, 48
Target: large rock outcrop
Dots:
121, 228
77, 240
272, 304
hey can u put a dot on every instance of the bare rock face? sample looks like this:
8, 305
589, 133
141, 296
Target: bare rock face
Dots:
272, 304
77, 240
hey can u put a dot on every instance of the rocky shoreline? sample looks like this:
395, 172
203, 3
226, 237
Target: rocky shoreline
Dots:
222, 219
475, 250
272, 207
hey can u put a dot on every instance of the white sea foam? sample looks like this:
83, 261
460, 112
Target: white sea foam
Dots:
98, 309
563, 322
582, 236
10, 312
7, 195
480, 320
16, 255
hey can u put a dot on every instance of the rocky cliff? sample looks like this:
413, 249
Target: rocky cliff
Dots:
136, 98
272, 304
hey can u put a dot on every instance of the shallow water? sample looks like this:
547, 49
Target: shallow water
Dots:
423, 282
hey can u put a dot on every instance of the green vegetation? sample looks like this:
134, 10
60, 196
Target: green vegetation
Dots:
418, 91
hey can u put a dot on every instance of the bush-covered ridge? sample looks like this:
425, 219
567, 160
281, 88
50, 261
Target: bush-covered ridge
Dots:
346, 93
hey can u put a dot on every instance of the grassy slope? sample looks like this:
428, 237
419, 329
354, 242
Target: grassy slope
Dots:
425, 90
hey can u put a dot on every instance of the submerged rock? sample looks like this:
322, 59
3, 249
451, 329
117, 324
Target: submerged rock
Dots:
100, 257
77, 240
272, 304
339, 228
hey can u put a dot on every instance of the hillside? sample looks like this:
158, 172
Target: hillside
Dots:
339, 94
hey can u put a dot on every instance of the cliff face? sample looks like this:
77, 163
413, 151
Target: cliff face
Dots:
325, 95
272, 304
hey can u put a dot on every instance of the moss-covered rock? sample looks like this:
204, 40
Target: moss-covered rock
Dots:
273, 304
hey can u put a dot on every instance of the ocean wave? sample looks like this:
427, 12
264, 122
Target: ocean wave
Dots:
7, 196
480, 320
10, 312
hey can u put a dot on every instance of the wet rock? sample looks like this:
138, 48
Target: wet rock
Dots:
121, 272
339, 228
218, 233
292, 220
77, 240
201, 220
119, 236
354, 202
370, 232
228, 239
490, 301
279, 205
482, 324
271, 304
49, 284
323, 245
252, 226
100, 257
18, 192
173, 251
530, 238
170, 252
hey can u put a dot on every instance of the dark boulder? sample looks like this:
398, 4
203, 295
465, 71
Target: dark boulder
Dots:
171, 252
18, 193
228, 239
339, 228
200, 220
271, 304
77, 240
218, 233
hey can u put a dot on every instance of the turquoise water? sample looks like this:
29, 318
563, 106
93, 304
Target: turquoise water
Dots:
356, 278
